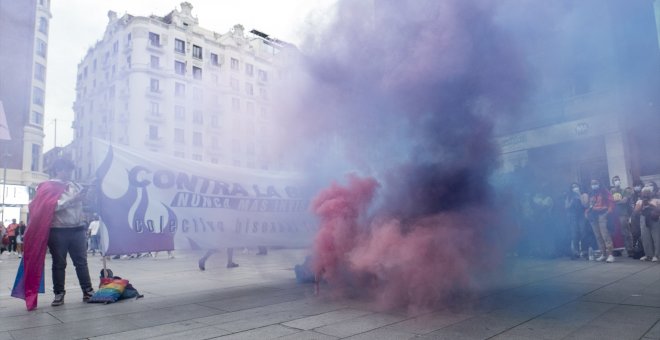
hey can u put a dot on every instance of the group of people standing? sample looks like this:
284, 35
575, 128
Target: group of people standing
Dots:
12, 238
631, 214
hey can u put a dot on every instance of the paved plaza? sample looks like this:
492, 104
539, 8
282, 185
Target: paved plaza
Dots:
538, 299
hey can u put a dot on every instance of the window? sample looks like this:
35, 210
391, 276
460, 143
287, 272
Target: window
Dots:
43, 25
198, 117
236, 105
36, 156
214, 160
115, 47
128, 61
236, 145
94, 65
37, 118
179, 154
180, 112
38, 96
197, 52
155, 109
179, 136
179, 46
249, 69
197, 157
214, 59
263, 75
39, 72
42, 47
154, 39
215, 142
153, 132
264, 113
155, 85
233, 83
197, 138
198, 94
179, 89
249, 89
197, 72
179, 67
215, 121
250, 148
263, 93
234, 64
155, 62
249, 107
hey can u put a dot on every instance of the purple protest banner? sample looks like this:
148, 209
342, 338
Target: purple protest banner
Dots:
152, 202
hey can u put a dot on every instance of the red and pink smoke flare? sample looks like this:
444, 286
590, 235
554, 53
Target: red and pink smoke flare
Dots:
420, 264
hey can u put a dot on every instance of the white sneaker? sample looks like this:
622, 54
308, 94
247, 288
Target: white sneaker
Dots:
610, 259
601, 258
644, 258
655, 259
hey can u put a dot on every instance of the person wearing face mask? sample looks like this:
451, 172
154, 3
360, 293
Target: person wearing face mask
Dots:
622, 212
601, 204
648, 208
634, 218
574, 203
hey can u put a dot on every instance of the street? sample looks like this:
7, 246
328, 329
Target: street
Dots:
538, 299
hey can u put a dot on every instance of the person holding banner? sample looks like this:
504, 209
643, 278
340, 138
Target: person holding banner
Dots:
56, 221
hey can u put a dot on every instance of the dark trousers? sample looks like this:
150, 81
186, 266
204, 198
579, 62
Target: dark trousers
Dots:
74, 242
12, 243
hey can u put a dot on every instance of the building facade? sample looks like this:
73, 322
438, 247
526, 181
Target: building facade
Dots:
594, 105
23, 62
167, 85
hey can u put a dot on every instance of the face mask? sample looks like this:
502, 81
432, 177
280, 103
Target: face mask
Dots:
595, 187
576, 190
617, 183
638, 188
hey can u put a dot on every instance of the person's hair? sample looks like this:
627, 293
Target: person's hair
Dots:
61, 164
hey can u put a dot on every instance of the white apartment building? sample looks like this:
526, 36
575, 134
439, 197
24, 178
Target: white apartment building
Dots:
24, 31
167, 85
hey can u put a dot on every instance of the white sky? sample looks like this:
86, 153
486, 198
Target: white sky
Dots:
77, 24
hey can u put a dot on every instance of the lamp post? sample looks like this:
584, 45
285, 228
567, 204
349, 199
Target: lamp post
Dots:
5, 156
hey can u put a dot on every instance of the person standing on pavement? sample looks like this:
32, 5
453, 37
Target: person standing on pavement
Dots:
20, 232
56, 220
601, 205
574, 204
622, 211
12, 228
94, 235
648, 207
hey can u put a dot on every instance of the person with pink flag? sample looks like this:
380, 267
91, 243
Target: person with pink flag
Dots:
56, 221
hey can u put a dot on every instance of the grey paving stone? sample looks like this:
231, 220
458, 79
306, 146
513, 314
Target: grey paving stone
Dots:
77, 329
260, 321
654, 332
359, 325
167, 315
382, 334
150, 332
428, 323
307, 335
207, 332
5, 336
11, 323
559, 322
478, 327
315, 321
269, 332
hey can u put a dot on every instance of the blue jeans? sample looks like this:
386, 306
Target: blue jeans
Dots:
74, 242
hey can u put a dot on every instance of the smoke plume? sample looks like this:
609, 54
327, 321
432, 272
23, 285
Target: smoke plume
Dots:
404, 94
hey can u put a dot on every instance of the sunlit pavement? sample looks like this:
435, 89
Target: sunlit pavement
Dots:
553, 299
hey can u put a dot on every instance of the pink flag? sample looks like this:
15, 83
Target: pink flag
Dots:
4, 128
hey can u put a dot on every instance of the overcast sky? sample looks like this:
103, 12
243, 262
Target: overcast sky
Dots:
77, 24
